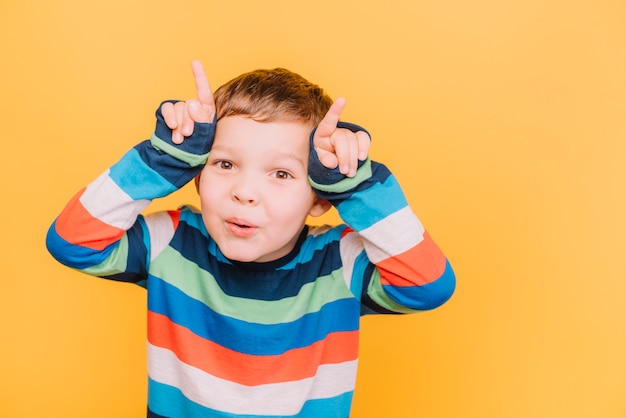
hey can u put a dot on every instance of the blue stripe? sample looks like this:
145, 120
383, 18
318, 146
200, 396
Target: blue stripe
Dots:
168, 401
381, 200
361, 265
337, 407
79, 257
425, 297
313, 245
137, 179
246, 337
72, 255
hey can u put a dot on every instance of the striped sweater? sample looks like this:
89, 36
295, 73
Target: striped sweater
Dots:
231, 339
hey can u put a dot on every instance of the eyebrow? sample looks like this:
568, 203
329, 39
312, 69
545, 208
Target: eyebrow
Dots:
279, 156
289, 156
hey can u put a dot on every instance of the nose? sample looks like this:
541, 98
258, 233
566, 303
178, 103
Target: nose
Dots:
246, 189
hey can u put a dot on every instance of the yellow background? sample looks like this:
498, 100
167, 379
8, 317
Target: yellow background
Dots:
505, 120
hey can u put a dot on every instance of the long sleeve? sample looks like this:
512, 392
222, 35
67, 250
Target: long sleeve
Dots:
403, 269
101, 231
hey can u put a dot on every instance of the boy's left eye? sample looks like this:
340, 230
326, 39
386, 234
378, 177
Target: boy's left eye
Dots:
282, 174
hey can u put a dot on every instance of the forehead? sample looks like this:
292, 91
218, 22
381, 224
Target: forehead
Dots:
241, 133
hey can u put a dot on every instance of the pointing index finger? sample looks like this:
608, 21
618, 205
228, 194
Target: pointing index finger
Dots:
328, 125
205, 95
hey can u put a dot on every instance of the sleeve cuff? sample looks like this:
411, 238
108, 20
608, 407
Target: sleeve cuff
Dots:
332, 180
194, 150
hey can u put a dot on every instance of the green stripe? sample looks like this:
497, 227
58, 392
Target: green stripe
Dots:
193, 160
115, 263
378, 295
201, 285
348, 183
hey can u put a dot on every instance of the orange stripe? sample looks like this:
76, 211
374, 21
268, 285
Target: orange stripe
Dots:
346, 231
175, 216
418, 266
78, 227
248, 369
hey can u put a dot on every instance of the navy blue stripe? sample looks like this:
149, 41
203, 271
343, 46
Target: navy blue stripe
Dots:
153, 415
246, 337
124, 277
380, 173
247, 281
368, 306
175, 171
137, 258
318, 171
198, 143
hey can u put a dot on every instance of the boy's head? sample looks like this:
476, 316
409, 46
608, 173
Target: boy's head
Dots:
272, 95
254, 189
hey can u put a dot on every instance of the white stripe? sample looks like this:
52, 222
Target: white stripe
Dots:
104, 200
350, 247
161, 230
269, 399
393, 235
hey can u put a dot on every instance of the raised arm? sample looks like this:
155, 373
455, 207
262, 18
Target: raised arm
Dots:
100, 231
405, 271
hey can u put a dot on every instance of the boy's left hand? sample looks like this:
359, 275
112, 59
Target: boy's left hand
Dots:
339, 147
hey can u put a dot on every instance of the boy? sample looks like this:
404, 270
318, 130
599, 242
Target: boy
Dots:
252, 313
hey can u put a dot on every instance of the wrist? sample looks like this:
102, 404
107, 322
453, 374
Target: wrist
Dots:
332, 180
195, 148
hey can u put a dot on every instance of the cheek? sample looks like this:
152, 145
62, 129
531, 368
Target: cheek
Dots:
294, 205
210, 191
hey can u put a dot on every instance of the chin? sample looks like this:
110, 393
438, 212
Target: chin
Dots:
236, 256
241, 256
243, 259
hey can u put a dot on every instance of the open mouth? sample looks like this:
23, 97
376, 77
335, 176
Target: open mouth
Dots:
240, 223
240, 227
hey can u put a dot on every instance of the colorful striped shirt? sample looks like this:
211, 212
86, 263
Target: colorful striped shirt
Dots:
231, 339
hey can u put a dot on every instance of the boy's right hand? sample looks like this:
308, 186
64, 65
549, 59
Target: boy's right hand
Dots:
181, 116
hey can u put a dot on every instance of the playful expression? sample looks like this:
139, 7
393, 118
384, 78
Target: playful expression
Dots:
254, 189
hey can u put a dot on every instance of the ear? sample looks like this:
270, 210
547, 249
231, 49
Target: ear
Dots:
196, 181
320, 207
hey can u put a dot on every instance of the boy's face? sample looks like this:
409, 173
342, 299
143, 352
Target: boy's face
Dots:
254, 189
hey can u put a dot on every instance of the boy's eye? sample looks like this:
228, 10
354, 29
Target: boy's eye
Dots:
224, 165
282, 175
